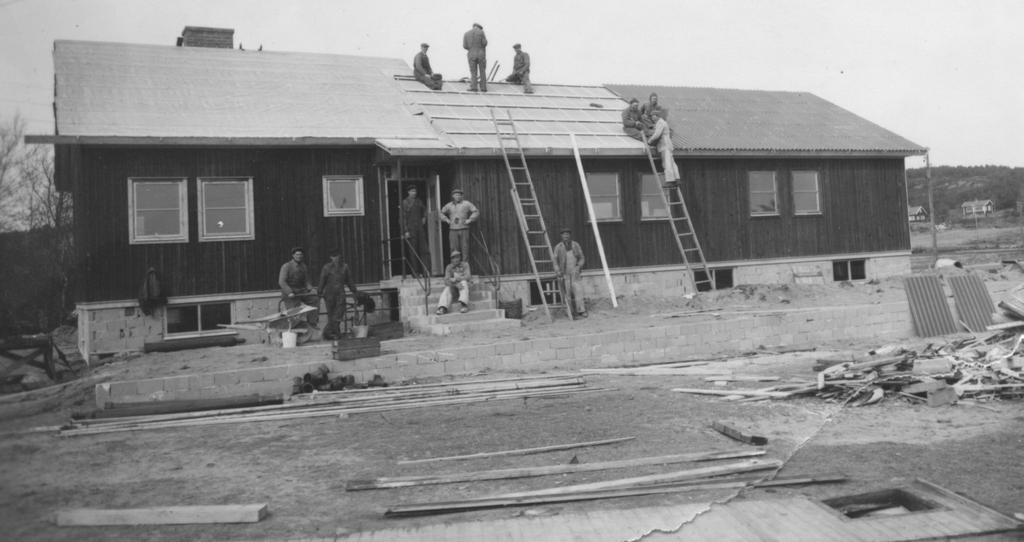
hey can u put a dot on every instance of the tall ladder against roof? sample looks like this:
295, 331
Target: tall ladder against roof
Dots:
531, 221
682, 228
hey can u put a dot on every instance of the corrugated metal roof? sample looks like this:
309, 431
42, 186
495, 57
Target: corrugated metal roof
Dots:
974, 305
928, 307
543, 119
152, 91
729, 120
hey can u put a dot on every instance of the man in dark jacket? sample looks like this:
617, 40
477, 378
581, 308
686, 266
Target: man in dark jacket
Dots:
414, 219
521, 70
474, 41
334, 277
632, 122
421, 69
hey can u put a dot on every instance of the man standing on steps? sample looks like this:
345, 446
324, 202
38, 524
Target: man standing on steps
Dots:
474, 41
568, 263
459, 214
414, 220
662, 138
457, 277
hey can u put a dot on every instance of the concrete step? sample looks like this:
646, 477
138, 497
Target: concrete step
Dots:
475, 294
475, 327
417, 310
457, 317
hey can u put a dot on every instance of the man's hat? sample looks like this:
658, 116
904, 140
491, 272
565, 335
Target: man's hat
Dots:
456, 253
336, 251
517, 46
478, 25
424, 45
408, 188
457, 191
634, 101
565, 230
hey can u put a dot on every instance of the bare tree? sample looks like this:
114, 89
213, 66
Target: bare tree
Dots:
49, 211
12, 152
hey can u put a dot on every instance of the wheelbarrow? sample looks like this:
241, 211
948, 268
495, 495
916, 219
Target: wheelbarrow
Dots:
293, 319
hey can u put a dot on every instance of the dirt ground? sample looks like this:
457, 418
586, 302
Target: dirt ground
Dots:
300, 467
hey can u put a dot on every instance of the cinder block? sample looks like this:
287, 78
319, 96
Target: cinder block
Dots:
503, 349
581, 352
206, 380
274, 374
102, 394
564, 353
547, 354
123, 389
511, 361
562, 342
225, 379
250, 375
175, 384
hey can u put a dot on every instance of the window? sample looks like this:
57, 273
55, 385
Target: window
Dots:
604, 193
805, 193
652, 202
225, 209
197, 319
848, 270
158, 208
763, 197
723, 279
343, 195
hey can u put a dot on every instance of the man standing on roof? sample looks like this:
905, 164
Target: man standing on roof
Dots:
568, 263
647, 110
421, 69
631, 120
521, 70
474, 41
296, 289
459, 214
662, 137
334, 277
414, 219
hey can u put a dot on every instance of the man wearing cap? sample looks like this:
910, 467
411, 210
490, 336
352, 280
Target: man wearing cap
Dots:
459, 214
662, 138
568, 263
474, 41
456, 277
414, 219
647, 111
632, 120
421, 69
334, 277
296, 289
521, 70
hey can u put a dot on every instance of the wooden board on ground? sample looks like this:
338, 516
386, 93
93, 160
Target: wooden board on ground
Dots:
736, 434
164, 515
520, 451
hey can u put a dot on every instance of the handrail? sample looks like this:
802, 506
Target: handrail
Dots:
422, 279
495, 277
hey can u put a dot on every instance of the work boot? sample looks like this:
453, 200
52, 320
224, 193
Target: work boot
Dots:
465, 308
441, 311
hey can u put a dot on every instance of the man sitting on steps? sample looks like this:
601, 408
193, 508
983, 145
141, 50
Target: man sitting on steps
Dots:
456, 278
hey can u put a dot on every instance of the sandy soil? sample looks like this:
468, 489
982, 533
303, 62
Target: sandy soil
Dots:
300, 467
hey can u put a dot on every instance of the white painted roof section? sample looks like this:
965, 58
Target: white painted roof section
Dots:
153, 91
543, 119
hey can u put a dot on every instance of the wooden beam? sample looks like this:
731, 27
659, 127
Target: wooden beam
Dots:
736, 434
521, 451
166, 515
528, 472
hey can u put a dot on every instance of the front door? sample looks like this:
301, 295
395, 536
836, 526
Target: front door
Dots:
427, 185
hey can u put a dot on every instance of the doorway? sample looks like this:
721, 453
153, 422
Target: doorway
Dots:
427, 185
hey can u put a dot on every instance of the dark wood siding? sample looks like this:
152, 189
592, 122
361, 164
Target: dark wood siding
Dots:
863, 204
288, 211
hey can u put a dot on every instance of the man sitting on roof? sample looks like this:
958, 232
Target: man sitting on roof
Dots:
457, 277
521, 70
632, 122
647, 111
662, 137
421, 69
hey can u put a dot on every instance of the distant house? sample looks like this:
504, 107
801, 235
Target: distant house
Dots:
208, 163
917, 213
977, 207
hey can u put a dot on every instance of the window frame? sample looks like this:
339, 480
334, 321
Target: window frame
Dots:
644, 217
360, 209
618, 195
817, 192
134, 238
199, 332
250, 222
750, 193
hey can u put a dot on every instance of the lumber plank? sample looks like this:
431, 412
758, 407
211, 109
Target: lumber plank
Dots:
1004, 325
165, 515
528, 472
520, 451
742, 378
748, 393
736, 434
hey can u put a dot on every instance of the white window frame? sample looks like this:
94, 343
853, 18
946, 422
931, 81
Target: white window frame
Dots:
618, 194
205, 236
817, 192
775, 193
360, 209
199, 321
134, 238
644, 217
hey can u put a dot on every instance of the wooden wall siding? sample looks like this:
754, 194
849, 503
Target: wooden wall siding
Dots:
863, 204
288, 211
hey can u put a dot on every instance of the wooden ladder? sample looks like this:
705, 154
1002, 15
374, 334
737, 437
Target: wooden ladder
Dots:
682, 227
531, 221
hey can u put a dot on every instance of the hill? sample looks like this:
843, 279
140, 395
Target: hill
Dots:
954, 185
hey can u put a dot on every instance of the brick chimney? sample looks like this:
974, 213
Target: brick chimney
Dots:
203, 36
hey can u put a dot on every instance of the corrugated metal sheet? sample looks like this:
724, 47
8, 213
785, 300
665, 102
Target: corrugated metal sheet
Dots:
928, 307
127, 90
973, 303
709, 119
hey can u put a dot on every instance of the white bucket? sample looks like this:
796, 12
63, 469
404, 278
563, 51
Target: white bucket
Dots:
361, 331
289, 339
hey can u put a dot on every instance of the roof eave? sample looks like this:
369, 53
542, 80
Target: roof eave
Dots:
152, 141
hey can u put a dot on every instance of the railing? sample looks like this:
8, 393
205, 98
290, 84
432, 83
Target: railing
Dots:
493, 274
422, 278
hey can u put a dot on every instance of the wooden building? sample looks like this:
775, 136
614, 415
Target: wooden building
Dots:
917, 213
978, 207
207, 164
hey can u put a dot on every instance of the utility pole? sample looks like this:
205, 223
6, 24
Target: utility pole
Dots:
931, 207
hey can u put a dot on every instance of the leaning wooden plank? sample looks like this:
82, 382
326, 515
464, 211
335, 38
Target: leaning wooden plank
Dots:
736, 434
527, 472
521, 451
1005, 325
738, 467
166, 515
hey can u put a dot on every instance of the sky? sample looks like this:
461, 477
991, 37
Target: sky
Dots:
946, 74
